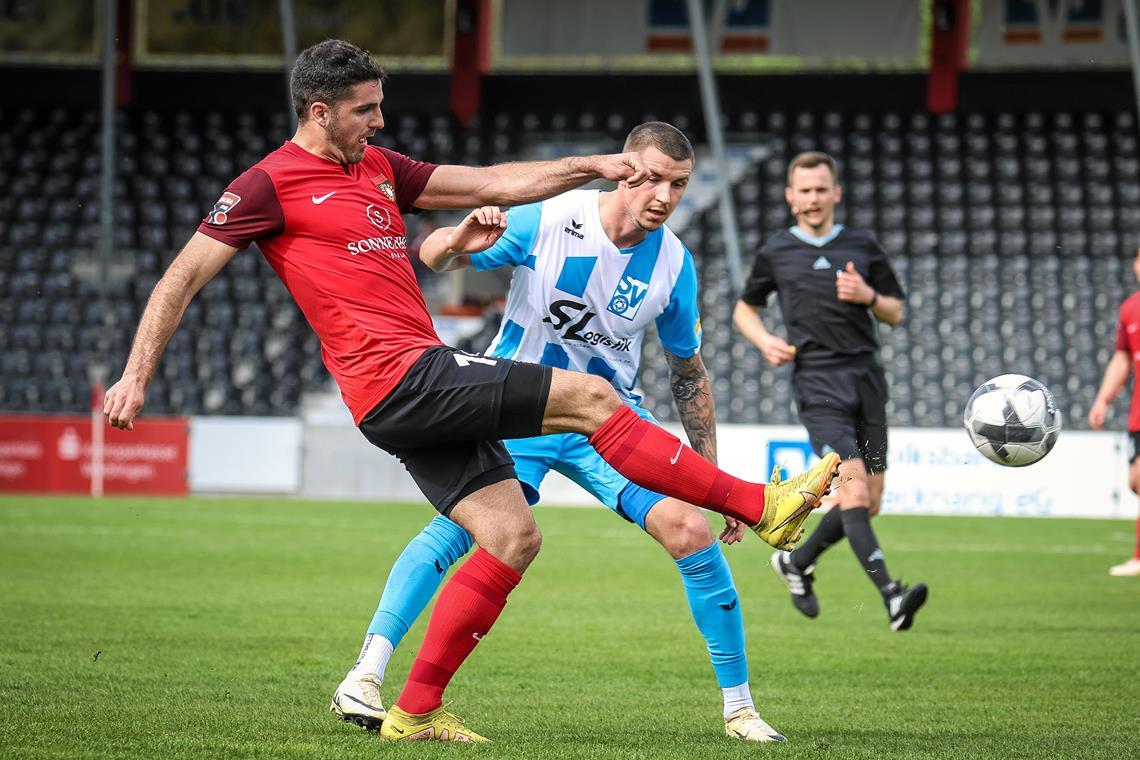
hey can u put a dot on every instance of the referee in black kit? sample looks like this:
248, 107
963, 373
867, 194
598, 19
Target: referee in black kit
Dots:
831, 281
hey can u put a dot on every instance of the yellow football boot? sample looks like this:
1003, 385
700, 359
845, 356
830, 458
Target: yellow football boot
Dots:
787, 503
437, 725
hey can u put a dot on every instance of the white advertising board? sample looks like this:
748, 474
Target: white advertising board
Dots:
937, 471
930, 470
245, 455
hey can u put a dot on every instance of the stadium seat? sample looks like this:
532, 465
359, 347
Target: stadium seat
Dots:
993, 222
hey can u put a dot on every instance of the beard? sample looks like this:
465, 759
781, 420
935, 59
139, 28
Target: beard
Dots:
345, 142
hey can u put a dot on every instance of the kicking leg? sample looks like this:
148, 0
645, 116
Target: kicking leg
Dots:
657, 460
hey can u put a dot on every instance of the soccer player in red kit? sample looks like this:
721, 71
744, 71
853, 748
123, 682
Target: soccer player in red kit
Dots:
326, 211
1120, 366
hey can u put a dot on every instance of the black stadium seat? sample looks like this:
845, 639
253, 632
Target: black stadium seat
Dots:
999, 225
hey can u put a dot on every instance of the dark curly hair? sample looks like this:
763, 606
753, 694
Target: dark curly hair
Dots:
327, 71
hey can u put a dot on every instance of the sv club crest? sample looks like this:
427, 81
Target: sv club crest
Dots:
628, 297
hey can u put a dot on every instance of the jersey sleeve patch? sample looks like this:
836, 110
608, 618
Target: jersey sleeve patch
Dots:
219, 215
246, 212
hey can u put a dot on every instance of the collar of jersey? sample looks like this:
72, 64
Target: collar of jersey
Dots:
818, 242
596, 214
652, 237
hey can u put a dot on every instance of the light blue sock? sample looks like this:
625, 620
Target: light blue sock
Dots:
716, 610
416, 575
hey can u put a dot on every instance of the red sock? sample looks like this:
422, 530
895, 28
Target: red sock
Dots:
467, 607
656, 459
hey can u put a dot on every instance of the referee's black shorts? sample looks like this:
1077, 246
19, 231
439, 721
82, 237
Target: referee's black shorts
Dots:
445, 419
844, 408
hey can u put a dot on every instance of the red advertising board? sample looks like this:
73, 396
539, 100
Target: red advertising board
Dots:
53, 454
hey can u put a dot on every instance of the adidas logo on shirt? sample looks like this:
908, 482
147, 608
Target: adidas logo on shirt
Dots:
821, 263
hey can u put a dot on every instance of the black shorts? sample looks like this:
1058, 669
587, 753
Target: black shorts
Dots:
1134, 441
445, 419
844, 409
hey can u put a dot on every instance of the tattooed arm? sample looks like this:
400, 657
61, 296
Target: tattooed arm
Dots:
692, 393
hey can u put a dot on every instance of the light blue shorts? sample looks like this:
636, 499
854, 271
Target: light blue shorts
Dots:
572, 455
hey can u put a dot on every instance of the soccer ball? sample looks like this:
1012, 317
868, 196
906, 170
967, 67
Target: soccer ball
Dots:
1013, 420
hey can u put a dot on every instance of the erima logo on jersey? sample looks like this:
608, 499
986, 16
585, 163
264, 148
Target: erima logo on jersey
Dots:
627, 299
574, 231
821, 263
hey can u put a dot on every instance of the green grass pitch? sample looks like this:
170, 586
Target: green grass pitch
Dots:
218, 628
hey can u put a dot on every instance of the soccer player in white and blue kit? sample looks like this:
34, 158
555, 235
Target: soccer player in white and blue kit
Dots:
592, 271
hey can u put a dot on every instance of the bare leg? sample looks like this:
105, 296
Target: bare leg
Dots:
469, 604
500, 521
680, 528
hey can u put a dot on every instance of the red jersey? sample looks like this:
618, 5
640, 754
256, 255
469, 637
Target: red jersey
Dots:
335, 236
1128, 340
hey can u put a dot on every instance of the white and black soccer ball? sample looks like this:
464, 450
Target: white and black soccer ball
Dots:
1013, 420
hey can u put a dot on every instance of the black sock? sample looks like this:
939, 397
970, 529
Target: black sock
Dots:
828, 532
857, 527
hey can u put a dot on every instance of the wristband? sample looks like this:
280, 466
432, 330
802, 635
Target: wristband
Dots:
874, 299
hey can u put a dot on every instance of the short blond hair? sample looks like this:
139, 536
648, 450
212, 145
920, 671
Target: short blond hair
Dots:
811, 159
661, 135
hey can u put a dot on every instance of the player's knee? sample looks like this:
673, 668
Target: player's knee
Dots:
687, 532
525, 544
854, 493
875, 506
597, 393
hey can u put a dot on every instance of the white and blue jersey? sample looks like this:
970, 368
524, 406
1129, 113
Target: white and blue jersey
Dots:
578, 302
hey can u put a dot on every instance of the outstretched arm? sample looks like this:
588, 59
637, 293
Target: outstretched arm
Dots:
450, 248
1115, 376
514, 184
199, 261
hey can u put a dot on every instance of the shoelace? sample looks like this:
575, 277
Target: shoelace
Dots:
752, 716
370, 688
453, 720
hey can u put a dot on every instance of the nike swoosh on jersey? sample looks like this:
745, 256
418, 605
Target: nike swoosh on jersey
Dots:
319, 200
